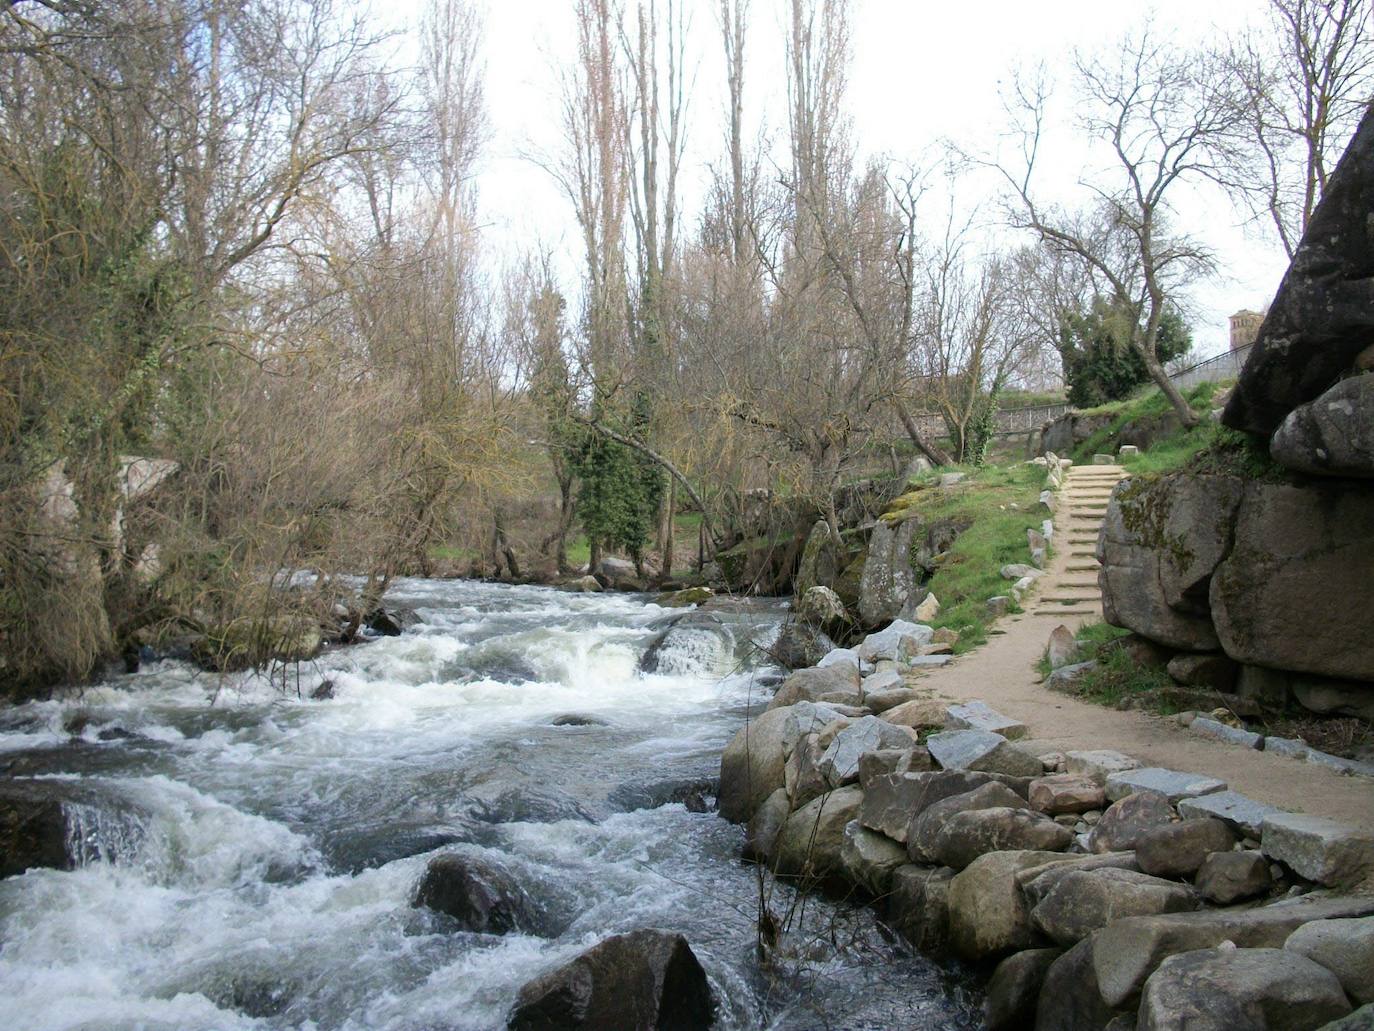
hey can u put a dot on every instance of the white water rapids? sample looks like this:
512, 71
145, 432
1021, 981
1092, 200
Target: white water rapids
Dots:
261, 870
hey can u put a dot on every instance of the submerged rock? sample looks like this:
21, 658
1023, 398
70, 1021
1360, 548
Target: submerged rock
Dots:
646, 979
480, 894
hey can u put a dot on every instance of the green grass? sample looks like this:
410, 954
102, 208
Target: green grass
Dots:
451, 553
1118, 680
579, 550
970, 572
1150, 404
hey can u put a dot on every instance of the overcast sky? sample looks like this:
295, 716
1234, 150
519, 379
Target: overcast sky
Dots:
922, 72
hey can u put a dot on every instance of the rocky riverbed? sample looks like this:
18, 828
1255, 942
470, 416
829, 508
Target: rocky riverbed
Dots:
228, 855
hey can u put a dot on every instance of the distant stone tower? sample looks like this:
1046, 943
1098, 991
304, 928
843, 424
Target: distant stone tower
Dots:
1245, 326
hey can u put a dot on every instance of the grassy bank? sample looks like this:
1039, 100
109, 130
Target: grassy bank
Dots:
998, 505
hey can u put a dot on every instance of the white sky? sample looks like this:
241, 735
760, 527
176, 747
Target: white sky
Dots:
922, 71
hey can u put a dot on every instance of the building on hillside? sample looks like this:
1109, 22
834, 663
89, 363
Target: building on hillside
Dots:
1245, 326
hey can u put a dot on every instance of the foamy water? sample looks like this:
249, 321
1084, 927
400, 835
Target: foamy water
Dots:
258, 868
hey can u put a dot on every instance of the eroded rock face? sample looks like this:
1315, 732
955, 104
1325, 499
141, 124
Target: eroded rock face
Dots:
1333, 435
889, 582
1161, 541
1224, 989
1323, 314
1288, 595
644, 979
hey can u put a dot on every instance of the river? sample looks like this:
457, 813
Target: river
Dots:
267, 882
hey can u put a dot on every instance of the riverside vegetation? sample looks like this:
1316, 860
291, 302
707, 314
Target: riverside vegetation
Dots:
265, 391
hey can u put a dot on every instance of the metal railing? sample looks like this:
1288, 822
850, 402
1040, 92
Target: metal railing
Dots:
1224, 366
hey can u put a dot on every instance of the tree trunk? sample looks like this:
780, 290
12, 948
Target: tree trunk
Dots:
932, 452
669, 514
1165, 384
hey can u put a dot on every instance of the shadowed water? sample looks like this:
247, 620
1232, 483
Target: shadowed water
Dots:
259, 868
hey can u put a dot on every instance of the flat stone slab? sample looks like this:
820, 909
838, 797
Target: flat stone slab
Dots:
1245, 814
928, 661
1173, 784
1218, 731
1318, 849
1352, 767
1099, 765
978, 715
1288, 747
981, 750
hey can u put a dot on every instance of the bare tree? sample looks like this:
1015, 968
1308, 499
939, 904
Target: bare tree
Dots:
1301, 90
1158, 110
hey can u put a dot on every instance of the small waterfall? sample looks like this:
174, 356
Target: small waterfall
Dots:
100, 835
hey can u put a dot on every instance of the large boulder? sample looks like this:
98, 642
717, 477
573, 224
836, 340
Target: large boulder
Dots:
1178, 849
751, 767
1128, 951
761, 837
822, 607
1227, 877
1127, 821
868, 859
837, 682
1081, 901
893, 801
1294, 591
42, 824
917, 906
1317, 849
928, 821
966, 836
1069, 998
1344, 947
889, 582
1015, 988
799, 644
1160, 542
1323, 314
840, 763
645, 979
1225, 989
899, 641
1333, 435
822, 559
480, 894
811, 840
988, 916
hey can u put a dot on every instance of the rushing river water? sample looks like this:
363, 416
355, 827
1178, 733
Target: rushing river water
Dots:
267, 882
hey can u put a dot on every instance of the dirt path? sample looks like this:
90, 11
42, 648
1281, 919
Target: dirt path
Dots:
1002, 673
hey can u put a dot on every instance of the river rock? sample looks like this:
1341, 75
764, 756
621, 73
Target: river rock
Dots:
885, 761
1161, 540
926, 822
1124, 823
1318, 849
1081, 901
1065, 793
889, 582
808, 718
868, 859
919, 714
840, 763
761, 838
752, 765
619, 574
1069, 999
1344, 947
987, 913
1099, 765
1178, 849
1286, 595
978, 715
1227, 877
840, 681
899, 641
811, 839
822, 607
1014, 989
480, 894
982, 751
803, 778
841, 657
1173, 784
644, 979
1128, 951
1225, 989
1321, 318
967, 835
41, 823
917, 906
799, 645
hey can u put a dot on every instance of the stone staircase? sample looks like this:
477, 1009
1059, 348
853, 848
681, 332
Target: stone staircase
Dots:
1072, 590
